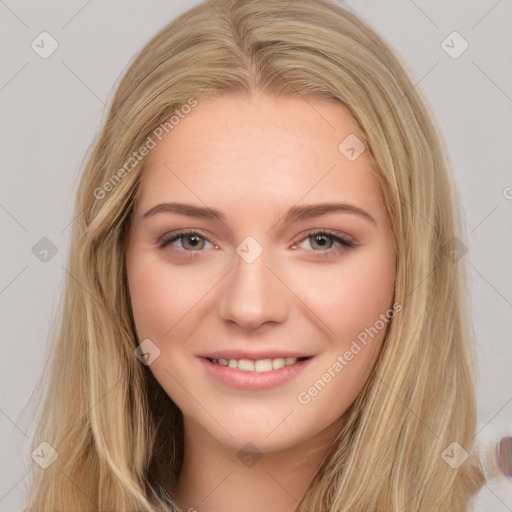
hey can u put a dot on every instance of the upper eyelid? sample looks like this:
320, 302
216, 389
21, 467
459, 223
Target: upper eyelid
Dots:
183, 232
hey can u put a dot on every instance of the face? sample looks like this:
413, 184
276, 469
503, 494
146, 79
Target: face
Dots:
261, 267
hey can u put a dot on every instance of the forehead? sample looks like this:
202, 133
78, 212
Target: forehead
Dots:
249, 148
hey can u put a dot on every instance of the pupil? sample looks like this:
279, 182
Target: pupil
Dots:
321, 240
194, 241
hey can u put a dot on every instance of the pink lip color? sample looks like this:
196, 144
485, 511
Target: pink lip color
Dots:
254, 381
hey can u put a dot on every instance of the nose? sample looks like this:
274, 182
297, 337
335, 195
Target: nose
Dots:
252, 294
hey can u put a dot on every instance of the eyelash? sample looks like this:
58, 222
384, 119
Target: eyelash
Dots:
343, 243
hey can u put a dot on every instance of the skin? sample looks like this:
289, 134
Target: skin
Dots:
252, 158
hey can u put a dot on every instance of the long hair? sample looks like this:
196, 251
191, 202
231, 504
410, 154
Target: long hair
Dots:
114, 429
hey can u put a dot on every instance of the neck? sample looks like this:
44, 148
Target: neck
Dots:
218, 478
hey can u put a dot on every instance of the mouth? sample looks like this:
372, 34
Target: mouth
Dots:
258, 374
258, 365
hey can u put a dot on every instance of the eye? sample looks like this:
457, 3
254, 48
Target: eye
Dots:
326, 242
190, 241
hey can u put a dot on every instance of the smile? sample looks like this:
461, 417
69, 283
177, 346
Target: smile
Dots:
258, 365
254, 374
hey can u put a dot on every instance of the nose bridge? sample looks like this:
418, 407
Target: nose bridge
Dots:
252, 295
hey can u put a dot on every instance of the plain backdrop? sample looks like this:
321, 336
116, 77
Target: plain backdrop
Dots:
51, 108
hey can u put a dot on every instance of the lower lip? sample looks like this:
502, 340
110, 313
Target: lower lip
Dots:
254, 381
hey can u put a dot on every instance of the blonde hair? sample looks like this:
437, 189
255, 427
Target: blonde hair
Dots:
114, 428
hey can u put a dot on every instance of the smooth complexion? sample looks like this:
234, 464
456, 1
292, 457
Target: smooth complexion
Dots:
252, 159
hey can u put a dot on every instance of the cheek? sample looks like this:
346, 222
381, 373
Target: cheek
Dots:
352, 302
162, 297
150, 299
351, 296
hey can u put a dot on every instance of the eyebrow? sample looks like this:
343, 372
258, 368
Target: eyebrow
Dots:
294, 214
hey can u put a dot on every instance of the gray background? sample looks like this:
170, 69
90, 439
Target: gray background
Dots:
51, 109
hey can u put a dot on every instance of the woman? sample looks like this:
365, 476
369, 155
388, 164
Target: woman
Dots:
265, 308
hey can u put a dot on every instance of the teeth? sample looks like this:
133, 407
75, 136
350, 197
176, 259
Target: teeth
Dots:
245, 364
263, 365
260, 365
277, 363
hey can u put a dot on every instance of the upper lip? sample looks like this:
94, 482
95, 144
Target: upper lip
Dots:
240, 354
